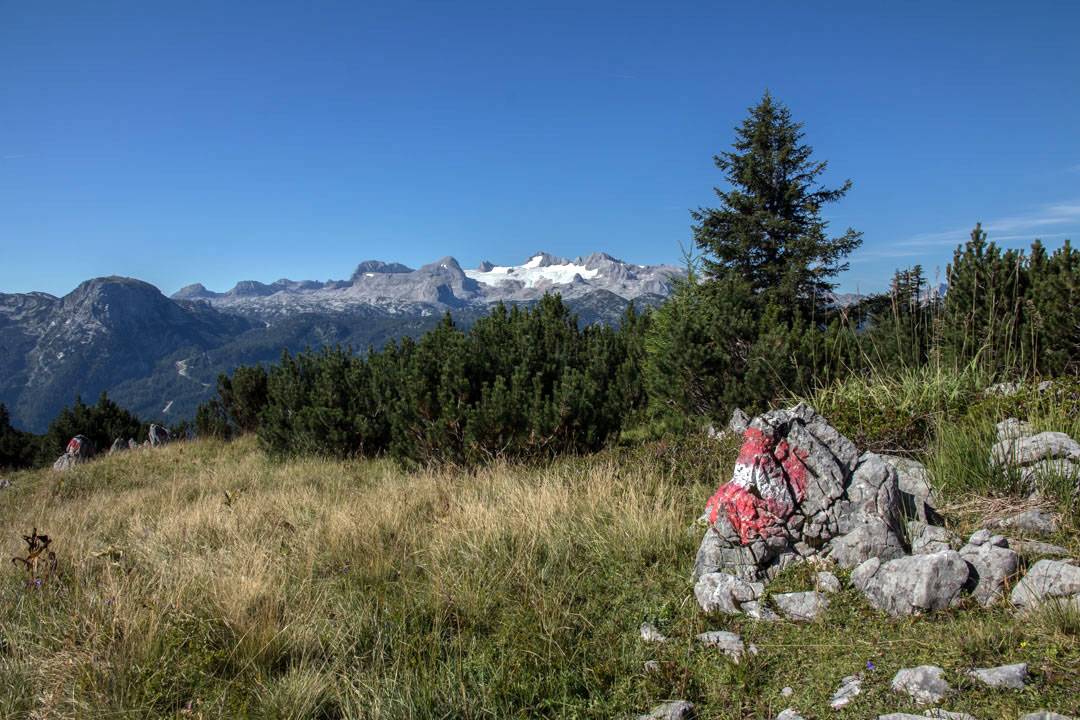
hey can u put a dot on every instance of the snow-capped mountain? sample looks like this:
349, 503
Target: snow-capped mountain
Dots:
160, 356
443, 284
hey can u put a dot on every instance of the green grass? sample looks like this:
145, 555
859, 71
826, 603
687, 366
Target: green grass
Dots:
326, 589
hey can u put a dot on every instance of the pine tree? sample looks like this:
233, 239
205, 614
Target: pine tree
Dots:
768, 227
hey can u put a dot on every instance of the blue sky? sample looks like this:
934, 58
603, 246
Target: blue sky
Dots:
220, 141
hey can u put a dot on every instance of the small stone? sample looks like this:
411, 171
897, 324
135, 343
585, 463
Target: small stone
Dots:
925, 683
787, 692
1004, 676
947, 715
1035, 548
720, 592
1046, 715
900, 716
675, 710
1013, 428
1034, 522
826, 582
801, 606
729, 643
650, 634
789, 714
849, 688
756, 610
739, 422
652, 666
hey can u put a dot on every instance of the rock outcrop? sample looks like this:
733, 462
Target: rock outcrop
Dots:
1047, 580
1038, 456
917, 583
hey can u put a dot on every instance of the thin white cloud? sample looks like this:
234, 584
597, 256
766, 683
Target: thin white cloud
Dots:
1015, 227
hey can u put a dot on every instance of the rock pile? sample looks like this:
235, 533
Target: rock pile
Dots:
801, 491
79, 449
1036, 455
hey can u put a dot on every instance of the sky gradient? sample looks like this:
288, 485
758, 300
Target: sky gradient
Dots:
220, 141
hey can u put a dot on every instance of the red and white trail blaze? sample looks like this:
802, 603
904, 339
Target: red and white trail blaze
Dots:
768, 483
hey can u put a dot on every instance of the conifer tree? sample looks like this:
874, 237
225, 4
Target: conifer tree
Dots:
768, 227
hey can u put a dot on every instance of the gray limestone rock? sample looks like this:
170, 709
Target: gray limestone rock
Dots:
826, 582
916, 492
1013, 677
801, 606
1012, 428
917, 583
947, 714
729, 643
1032, 522
1035, 548
1045, 715
991, 566
675, 710
721, 592
650, 634
739, 421
756, 610
1047, 580
849, 688
789, 714
1030, 449
931, 538
925, 683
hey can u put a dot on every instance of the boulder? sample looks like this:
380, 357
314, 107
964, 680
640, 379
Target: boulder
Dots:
1048, 580
1034, 548
917, 583
991, 565
739, 421
675, 710
826, 582
925, 683
721, 592
65, 462
1013, 677
1045, 715
800, 488
789, 714
801, 606
118, 446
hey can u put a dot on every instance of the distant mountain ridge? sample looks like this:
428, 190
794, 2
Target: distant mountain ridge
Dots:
160, 356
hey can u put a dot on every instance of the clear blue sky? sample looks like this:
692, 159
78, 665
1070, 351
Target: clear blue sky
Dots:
218, 141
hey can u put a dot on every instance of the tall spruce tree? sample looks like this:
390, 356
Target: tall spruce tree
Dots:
768, 227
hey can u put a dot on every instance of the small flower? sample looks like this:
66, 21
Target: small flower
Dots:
870, 665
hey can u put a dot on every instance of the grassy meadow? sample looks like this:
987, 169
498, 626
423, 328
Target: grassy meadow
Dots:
205, 580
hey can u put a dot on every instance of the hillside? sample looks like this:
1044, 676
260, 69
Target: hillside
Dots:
206, 580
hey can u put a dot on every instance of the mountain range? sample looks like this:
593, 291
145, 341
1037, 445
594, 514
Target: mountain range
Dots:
159, 356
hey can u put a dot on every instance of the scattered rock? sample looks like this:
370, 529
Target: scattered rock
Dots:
118, 446
928, 539
1046, 715
1030, 449
900, 716
1012, 429
158, 435
1013, 677
650, 634
1034, 548
132, 445
925, 683
730, 643
947, 715
991, 565
916, 492
1034, 522
675, 710
4, 483
1046, 580
652, 666
79, 449
787, 692
801, 606
917, 583
721, 592
1003, 389
789, 714
739, 421
849, 688
757, 610
826, 582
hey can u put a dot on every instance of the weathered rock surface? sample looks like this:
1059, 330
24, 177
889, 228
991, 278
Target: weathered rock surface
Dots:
799, 489
1032, 522
721, 592
650, 634
801, 606
675, 710
916, 491
992, 564
789, 714
849, 688
729, 643
158, 435
925, 683
1035, 548
947, 714
1048, 580
118, 446
928, 539
739, 421
1013, 677
1030, 449
826, 582
1046, 715
918, 583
